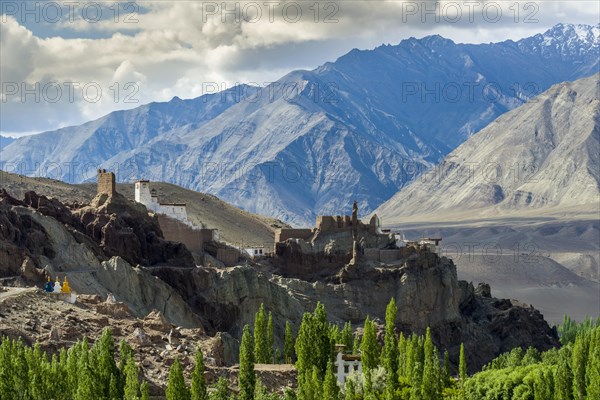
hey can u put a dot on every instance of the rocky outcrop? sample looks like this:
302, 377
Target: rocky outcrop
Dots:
425, 287
426, 290
113, 308
157, 321
124, 228
40, 233
109, 226
22, 239
143, 293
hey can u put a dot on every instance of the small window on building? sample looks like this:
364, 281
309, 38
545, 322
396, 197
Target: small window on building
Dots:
346, 369
356, 367
255, 251
260, 251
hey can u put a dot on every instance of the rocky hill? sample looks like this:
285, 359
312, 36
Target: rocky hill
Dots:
41, 237
357, 128
204, 210
427, 293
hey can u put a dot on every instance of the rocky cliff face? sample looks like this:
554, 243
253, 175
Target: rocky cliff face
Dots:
111, 226
427, 293
40, 237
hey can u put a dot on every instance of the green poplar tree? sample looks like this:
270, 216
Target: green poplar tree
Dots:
350, 390
346, 336
288, 344
402, 356
316, 383
356, 344
563, 377
85, 382
416, 380
330, 387
389, 355
247, 379
430, 387
221, 391
37, 388
260, 391
107, 368
313, 345
446, 374
261, 352
369, 347
20, 376
145, 390
125, 351
113, 388
323, 344
176, 388
198, 389
6, 370
270, 339
132, 383
578, 364
462, 366
593, 371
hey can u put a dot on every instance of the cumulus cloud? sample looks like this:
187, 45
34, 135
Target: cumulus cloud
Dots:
173, 48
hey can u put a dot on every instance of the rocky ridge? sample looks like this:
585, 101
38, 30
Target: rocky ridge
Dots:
427, 293
543, 155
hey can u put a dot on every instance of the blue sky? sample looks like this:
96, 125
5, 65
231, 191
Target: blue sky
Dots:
67, 62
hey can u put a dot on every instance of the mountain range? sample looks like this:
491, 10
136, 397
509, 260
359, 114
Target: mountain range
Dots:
361, 127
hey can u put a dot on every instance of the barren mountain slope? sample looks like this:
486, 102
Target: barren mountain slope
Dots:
545, 154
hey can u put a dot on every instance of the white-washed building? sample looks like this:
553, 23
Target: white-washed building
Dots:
255, 252
148, 197
345, 364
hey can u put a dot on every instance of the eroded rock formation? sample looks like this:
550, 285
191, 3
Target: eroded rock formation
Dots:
427, 293
41, 237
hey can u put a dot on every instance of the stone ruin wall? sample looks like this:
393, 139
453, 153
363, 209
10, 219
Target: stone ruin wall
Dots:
281, 235
176, 231
106, 182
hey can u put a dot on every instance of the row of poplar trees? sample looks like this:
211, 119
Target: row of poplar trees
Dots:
80, 373
404, 368
569, 373
412, 368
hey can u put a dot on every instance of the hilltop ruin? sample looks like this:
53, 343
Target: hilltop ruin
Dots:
338, 241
